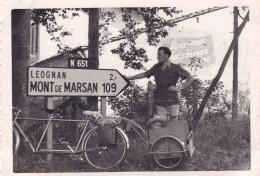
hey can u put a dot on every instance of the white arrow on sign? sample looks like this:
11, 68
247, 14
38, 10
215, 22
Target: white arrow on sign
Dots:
74, 82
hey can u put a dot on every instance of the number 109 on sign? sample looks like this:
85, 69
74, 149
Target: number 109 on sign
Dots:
108, 87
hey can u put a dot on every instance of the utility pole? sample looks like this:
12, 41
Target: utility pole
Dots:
214, 82
235, 68
93, 45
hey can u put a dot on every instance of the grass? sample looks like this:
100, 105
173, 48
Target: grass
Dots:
220, 145
223, 145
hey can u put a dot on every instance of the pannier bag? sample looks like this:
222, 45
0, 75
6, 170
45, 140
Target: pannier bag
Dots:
107, 130
106, 134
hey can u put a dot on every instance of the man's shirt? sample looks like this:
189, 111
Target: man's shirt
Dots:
164, 79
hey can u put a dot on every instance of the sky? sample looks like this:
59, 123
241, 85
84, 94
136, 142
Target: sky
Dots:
218, 24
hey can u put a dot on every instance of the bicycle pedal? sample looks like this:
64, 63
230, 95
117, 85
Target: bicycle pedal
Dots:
126, 162
76, 157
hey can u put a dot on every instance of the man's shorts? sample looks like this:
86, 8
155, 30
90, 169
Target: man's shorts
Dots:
163, 111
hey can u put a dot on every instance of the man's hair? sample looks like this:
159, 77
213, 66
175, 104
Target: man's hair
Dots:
166, 50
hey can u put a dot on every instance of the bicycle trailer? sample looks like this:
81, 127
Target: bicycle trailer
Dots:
171, 143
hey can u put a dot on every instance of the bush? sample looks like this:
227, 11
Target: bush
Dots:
222, 145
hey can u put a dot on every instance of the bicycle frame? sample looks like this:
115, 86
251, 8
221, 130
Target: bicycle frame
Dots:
135, 125
50, 120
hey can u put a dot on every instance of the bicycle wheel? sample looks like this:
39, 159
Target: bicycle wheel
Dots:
104, 156
168, 152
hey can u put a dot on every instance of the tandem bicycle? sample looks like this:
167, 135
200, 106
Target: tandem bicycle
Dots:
98, 154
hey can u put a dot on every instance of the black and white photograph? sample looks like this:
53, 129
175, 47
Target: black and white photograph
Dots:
131, 89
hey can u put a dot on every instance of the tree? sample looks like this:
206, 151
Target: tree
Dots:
218, 105
244, 99
21, 54
156, 25
127, 50
220, 72
131, 104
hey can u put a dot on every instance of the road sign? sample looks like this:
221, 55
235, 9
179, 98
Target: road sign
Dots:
74, 82
81, 63
78, 63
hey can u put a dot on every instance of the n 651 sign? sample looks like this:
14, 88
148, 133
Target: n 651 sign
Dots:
74, 82
78, 62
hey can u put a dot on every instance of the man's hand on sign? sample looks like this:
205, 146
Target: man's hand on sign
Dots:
174, 88
138, 76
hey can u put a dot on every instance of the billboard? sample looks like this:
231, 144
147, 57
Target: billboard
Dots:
183, 49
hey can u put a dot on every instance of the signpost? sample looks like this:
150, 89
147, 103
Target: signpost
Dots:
74, 82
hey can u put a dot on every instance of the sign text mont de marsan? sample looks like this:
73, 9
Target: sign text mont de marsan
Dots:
74, 82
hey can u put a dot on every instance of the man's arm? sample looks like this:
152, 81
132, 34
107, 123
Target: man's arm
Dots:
190, 79
187, 83
138, 76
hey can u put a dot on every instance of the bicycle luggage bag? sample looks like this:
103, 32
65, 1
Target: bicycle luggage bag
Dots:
106, 134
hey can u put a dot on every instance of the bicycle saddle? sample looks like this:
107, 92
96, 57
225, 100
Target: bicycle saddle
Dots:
95, 114
156, 119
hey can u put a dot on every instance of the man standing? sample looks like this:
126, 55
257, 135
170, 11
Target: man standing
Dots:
166, 76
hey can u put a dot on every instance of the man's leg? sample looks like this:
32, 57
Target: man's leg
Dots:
174, 111
162, 112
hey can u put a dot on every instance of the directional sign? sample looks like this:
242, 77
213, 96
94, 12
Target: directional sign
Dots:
74, 82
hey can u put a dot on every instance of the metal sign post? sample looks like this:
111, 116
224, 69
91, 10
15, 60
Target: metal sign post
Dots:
103, 106
50, 105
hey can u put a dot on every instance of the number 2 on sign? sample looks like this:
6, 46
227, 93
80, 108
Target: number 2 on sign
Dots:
107, 87
111, 77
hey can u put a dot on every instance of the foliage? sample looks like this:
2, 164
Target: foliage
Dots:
131, 104
49, 17
243, 98
219, 146
217, 106
194, 64
154, 20
105, 18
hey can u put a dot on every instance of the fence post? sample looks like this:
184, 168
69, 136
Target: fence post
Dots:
195, 98
150, 98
